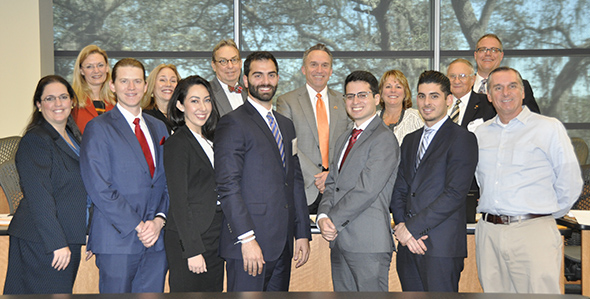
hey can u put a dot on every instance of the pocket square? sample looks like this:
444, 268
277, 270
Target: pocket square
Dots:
163, 140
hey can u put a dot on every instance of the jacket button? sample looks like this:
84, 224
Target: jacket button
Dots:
286, 206
337, 189
413, 194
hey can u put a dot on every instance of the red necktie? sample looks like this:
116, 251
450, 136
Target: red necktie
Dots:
353, 137
144, 146
237, 89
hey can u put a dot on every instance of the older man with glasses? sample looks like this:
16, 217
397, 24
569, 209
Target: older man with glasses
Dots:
226, 63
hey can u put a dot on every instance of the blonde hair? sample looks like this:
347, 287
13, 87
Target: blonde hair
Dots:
81, 87
148, 101
401, 78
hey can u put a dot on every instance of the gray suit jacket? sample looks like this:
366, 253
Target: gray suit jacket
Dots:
221, 99
296, 106
357, 197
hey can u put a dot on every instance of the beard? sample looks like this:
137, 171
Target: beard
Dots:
264, 97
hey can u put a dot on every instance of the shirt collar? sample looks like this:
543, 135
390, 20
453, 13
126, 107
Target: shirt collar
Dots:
437, 125
312, 93
364, 125
523, 117
261, 109
129, 117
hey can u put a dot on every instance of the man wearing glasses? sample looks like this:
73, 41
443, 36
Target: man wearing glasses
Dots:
469, 109
488, 56
354, 211
226, 63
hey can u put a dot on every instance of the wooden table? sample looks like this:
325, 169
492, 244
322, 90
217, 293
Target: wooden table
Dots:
585, 247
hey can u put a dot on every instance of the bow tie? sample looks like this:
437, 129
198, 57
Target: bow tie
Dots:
237, 89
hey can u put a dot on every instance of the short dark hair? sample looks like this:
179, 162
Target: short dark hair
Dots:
176, 116
259, 55
128, 62
503, 69
437, 78
318, 47
365, 77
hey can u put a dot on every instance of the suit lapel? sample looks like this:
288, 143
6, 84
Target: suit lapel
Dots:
307, 109
367, 132
438, 141
122, 127
60, 142
334, 104
263, 126
196, 146
413, 154
220, 97
470, 110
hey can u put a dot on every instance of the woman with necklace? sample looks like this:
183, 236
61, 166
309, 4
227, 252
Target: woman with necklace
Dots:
194, 218
396, 103
91, 84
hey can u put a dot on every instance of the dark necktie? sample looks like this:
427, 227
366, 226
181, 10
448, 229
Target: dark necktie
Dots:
277, 135
144, 146
351, 141
237, 89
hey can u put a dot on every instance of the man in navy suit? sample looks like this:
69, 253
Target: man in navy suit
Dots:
260, 187
122, 168
428, 203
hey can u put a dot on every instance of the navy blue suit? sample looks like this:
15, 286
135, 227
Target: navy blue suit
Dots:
118, 180
431, 201
478, 106
52, 214
256, 192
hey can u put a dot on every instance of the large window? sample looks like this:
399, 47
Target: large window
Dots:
547, 41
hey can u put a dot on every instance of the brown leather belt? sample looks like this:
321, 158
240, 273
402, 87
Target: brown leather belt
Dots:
503, 219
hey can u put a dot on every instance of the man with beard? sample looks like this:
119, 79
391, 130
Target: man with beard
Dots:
260, 187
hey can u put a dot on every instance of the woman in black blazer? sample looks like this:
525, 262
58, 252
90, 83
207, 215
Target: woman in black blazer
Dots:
194, 218
49, 226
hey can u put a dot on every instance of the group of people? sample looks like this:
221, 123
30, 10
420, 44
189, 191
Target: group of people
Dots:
210, 175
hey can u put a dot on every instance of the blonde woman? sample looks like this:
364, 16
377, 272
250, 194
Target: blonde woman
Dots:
90, 82
160, 86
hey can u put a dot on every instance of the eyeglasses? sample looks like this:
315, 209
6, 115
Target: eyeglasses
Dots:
92, 66
485, 50
224, 61
461, 77
361, 95
51, 99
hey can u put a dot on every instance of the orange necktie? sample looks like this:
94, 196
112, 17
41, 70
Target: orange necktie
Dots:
323, 130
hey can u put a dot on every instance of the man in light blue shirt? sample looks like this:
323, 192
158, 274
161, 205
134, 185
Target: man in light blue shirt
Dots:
529, 175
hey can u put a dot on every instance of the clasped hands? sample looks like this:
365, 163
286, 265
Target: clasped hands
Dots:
403, 235
148, 232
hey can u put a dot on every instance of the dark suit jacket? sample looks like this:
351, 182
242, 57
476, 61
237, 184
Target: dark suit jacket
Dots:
221, 99
155, 112
192, 189
357, 197
256, 192
119, 183
431, 199
53, 210
478, 106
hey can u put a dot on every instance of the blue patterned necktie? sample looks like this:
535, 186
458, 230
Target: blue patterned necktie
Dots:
423, 145
277, 134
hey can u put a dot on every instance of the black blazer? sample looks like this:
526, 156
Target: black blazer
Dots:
53, 209
431, 199
191, 187
478, 106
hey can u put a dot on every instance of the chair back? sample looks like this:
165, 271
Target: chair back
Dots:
9, 179
581, 149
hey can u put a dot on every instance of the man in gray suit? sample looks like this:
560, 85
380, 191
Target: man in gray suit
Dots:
226, 63
316, 132
354, 211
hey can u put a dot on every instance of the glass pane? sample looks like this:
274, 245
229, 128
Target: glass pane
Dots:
525, 24
294, 25
292, 78
180, 25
